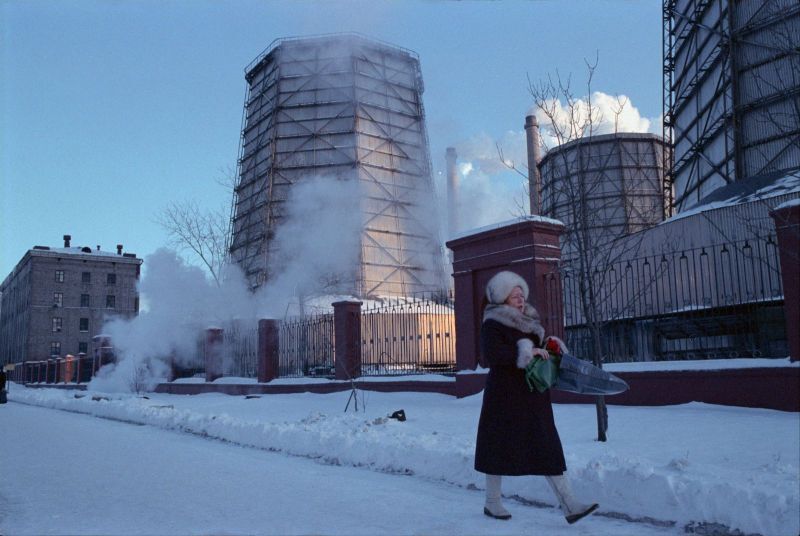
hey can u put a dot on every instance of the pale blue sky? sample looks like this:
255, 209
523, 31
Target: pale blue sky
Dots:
113, 109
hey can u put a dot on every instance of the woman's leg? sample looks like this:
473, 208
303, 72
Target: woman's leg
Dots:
494, 505
573, 510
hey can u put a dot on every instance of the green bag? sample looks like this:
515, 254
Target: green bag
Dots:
542, 373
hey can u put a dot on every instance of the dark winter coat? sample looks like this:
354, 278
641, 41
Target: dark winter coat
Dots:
516, 433
2, 379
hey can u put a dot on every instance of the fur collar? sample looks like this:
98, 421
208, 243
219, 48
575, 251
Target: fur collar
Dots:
526, 322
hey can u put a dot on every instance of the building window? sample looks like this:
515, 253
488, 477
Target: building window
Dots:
84, 325
57, 323
55, 348
59, 276
84, 300
83, 347
111, 279
58, 299
86, 277
111, 301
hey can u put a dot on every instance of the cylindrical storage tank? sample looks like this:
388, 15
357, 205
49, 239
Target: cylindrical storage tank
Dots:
609, 184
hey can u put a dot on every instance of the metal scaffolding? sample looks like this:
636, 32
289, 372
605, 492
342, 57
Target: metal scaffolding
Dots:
731, 92
349, 108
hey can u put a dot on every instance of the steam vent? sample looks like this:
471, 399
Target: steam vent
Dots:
340, 107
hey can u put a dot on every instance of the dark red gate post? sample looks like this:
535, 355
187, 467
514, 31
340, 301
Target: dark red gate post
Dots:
347, 337
787, 227
529, 246
268, 350
212, 353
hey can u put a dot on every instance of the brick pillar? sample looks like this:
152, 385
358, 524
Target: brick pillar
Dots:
212, 353
528, 246
347, 336
268, 350
787, 227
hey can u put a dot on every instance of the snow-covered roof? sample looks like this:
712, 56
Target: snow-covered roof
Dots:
787, 204
753, 189
80, 251
501, 224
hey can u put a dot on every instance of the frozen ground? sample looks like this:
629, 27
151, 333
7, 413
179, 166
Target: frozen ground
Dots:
692, 465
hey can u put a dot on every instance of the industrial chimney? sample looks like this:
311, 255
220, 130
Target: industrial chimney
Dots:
119, 249
67, 238
534, 157
452, 191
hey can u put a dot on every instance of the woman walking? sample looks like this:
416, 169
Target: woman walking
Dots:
516, 433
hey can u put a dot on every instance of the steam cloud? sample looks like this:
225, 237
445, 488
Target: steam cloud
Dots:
318, 238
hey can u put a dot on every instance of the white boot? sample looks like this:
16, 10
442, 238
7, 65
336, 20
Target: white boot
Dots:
573, 510
494, 505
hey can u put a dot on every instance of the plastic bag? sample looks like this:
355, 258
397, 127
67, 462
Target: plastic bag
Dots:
542, 374
579, 376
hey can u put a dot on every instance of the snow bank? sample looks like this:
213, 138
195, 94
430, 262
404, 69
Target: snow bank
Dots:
688, 463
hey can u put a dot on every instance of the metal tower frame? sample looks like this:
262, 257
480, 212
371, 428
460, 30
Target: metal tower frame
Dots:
342, 106
731, 92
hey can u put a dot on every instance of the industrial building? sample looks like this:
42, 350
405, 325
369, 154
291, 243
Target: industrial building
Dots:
58, 298
339, 107
731, 93
702, 279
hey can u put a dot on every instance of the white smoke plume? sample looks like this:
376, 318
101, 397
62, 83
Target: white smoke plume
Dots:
610, 114
319, 237
318, 242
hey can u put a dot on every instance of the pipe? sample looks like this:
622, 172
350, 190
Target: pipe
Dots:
534, 157
452, 191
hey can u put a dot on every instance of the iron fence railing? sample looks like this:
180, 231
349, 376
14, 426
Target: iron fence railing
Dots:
58, 370
408, 336
241, 351
306, 346
710, 302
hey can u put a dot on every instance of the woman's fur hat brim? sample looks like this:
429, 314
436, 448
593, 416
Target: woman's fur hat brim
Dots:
501, 284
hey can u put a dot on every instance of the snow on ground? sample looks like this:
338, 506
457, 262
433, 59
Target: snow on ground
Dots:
118, 479
693, 463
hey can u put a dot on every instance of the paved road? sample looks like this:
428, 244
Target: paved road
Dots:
65, 473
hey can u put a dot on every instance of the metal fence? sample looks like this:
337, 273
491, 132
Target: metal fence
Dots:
241, 351
703, 303
306, 346
408, 335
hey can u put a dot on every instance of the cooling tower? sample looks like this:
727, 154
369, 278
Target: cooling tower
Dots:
340, 107
609, 184
731, 92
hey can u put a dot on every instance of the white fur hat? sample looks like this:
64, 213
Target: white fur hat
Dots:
501, 284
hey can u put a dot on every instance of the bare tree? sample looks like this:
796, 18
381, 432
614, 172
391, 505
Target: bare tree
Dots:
599, 223
203, 232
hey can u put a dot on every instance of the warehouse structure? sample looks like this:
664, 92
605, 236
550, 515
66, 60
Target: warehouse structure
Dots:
346, 108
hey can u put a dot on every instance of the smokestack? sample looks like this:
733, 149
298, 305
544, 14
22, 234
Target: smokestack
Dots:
452, 191
534, 156
67, 238
119, 249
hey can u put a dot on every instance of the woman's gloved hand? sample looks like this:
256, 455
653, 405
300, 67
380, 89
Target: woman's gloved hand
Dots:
526, 352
